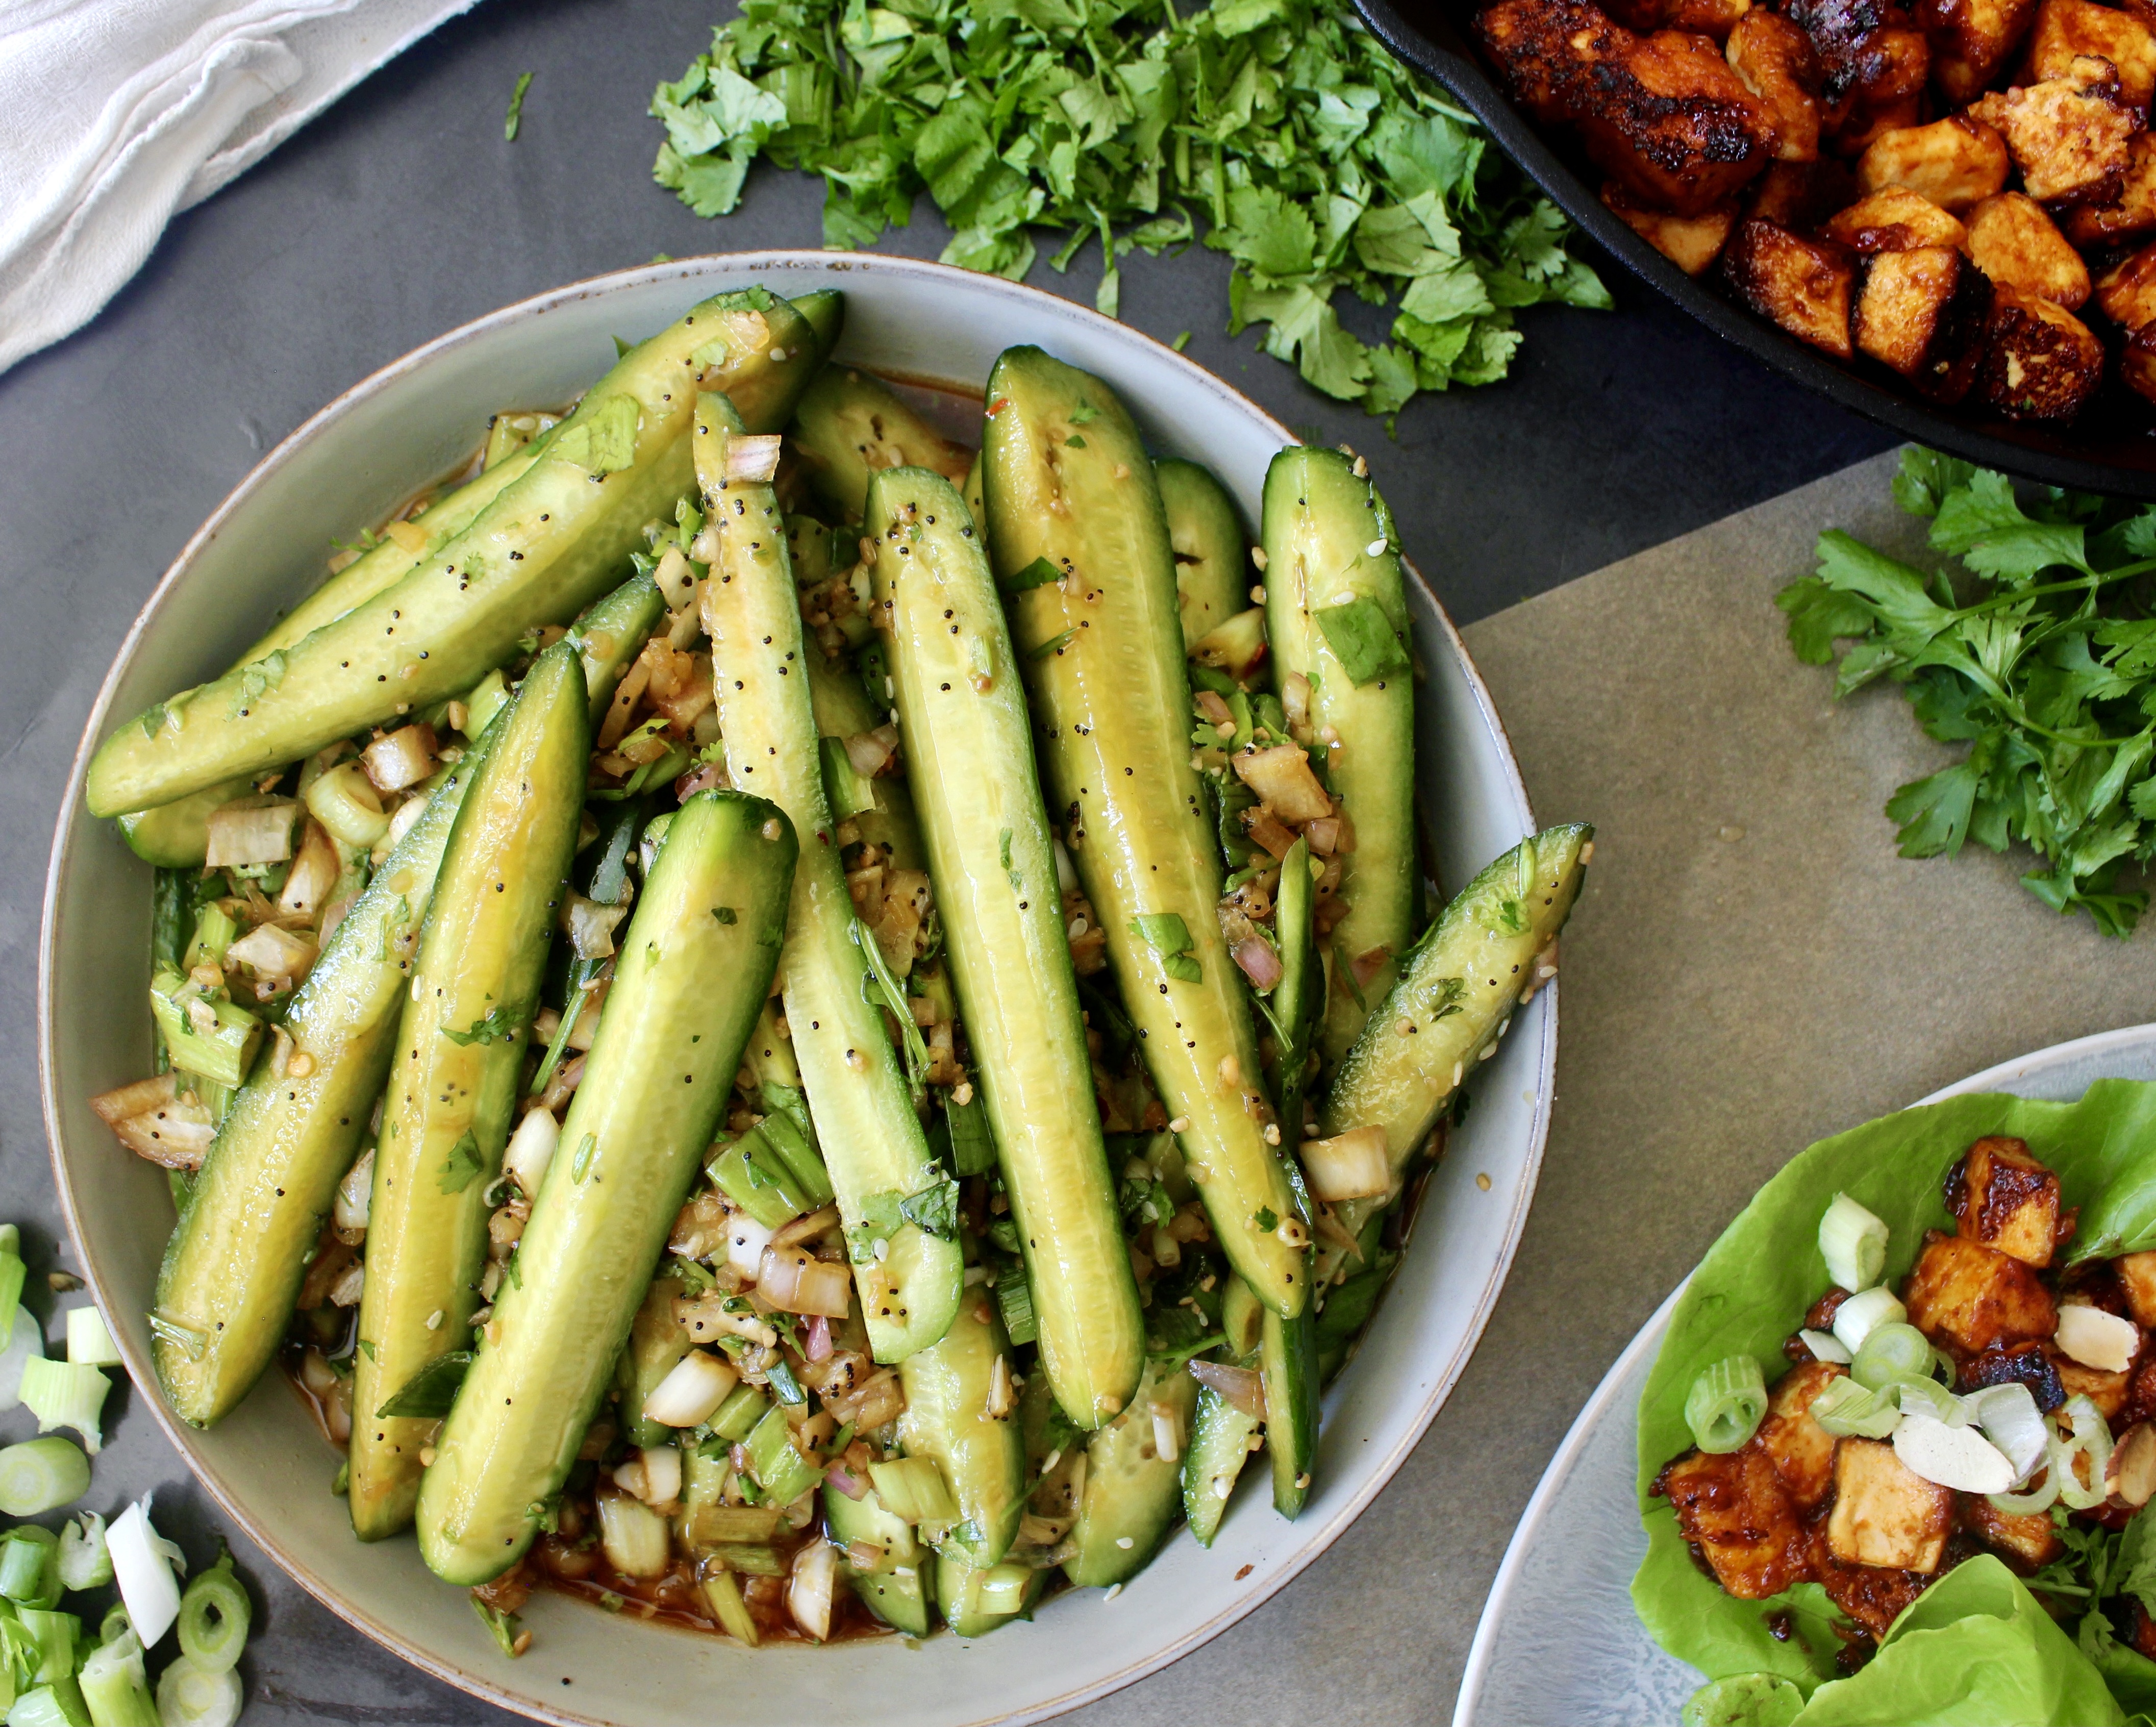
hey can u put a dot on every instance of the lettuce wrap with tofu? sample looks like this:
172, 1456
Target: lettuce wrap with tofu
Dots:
1976, 1646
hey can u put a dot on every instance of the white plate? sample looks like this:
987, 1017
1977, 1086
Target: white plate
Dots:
1558, 1645
346, 469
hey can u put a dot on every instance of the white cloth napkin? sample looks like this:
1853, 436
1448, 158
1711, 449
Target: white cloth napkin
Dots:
115, 114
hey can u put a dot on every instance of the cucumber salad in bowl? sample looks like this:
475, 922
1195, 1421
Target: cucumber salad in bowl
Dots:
792, 1027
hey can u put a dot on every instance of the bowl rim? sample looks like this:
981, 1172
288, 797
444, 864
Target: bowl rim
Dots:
1240, 1599
2034, 452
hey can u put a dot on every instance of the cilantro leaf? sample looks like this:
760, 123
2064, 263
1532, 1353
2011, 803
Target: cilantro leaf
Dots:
1281, 131
501, 1022
1168, 936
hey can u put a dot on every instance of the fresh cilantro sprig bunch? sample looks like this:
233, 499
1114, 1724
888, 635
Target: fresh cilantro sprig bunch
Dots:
2042, 659
1279, 128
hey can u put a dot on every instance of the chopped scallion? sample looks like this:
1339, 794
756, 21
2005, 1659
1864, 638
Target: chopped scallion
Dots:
90, 1341
1853, 1242
42, 1475
1725, 1406
214, 1617
66, 1394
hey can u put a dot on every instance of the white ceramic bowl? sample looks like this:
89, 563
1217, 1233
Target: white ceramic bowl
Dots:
346, 469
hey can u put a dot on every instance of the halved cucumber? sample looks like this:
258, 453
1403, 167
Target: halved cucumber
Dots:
1211, 556
1080, 543
975, 1601
895, 1588
950, 1388
1220, 1435
693, 969
1132, 1491
1287, 1357
851, 426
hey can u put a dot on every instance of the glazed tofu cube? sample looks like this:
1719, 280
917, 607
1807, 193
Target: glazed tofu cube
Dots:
2137, 1272
1664, 114
1971, 41
2133, 212
2137, 362
2067, 133
2105, 1390
1704, 18
2013, 241
1885, 1514
1802, 1450
2000, 1195
1967, 1297
1799, 195
2030, 1538
1956, 163
1803, 286
2040, 363
1922, 314
1692, 243
1877, 89
1775, 60
2067, 28
1735, 1507
1896, 219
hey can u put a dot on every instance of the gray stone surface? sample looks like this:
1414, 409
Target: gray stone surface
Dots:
402, 213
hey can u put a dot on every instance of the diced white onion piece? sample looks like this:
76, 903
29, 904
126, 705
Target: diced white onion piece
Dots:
1167, 1434
870, 752
1958, 1457
753, 458
1353, 1165
1825, 1346
1067, 872
662, 1474
798, 1283
1853, 1242
147, 1586
531, 1149
355, 1195
2095, 1339
591, 925
815, 1575
401, 758
270, 952
407, 815
345, 802
634, 1536
89, 1340
698, 1384
1295, 698
1282, 778
745, 1241
188, 1696
1854, 1318
1239, 1385
251, 830
1261, 961
2010, 1420
26, 1342
314, 875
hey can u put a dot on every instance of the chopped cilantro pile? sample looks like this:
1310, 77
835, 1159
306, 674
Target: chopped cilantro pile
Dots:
1280, 129
2042, 660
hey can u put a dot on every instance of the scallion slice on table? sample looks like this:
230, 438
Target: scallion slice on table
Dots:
142, 1565
85, 1562
1727, 1404
66, 1394
26, 1344
188, 1696
214, 1617
90, 1341
1853, 1242
42, 1475
29, 1567
11, 1281
115, 1688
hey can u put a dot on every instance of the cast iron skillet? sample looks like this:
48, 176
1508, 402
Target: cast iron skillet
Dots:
2112, 448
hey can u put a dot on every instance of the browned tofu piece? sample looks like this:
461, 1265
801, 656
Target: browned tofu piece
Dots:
2028, 1542
1734, 1508
1885, 1514
1998, 1194
1776, 61
2105, 1390
1664, 114
1704, 18
1875, 85
2029, 1365
1801, 1450
1895, 219
1799, 195
2013, 241
2136, 1271
2067, 133
1692, 243
2040, 363
1804, 285
1971, 40
2132, 212
1956, 163
1965, 1296
1922, 313
2136, 370
2066, 28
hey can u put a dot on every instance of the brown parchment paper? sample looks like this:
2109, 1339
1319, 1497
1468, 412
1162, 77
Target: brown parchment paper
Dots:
1751, 968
